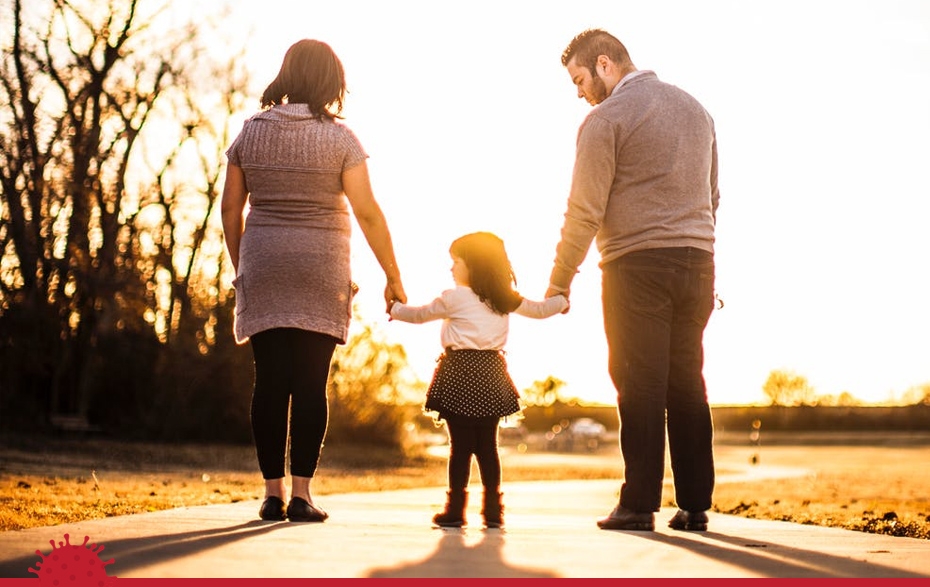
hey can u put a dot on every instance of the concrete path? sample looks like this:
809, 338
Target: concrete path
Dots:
550, 532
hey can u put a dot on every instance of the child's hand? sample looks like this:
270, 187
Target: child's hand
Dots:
552, 293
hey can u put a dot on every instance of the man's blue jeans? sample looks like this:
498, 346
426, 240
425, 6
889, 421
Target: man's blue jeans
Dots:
656, 305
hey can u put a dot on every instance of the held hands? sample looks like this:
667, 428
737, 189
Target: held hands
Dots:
552, 292
394, 292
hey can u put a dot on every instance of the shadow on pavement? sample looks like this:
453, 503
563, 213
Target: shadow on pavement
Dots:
776, 560
453, 557
133, 553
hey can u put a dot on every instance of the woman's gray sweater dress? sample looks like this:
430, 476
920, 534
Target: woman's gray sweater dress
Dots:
294, 256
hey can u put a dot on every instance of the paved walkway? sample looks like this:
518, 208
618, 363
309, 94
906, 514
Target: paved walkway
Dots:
550, 532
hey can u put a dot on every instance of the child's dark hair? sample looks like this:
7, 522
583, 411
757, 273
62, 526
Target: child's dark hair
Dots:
490, 275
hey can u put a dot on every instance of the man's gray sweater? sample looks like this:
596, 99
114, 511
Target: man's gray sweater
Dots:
645, 177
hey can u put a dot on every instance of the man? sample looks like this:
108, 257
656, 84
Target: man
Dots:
645, 184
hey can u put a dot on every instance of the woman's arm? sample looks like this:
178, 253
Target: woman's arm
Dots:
231, 206
357, 186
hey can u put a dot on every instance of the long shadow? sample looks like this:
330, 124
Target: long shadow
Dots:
784, 561
133, 553
454, 558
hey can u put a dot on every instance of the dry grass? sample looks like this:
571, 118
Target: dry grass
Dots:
869, 488
46, 481
880, 489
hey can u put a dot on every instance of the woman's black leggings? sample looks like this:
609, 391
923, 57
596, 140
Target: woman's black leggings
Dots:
473, 436
291, 370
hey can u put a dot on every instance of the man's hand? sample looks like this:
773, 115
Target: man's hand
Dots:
552, 292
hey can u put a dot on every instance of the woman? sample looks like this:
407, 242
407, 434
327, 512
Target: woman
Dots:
297, 165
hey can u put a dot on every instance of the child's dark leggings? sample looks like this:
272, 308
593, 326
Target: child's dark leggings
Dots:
473, 436
291, 370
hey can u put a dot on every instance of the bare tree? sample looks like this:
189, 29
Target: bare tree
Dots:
184, 231
82, 86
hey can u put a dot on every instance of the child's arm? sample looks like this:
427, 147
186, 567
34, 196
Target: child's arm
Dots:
435, 310
548, 307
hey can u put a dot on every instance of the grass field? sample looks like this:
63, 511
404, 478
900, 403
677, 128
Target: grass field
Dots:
873, 484
876, 487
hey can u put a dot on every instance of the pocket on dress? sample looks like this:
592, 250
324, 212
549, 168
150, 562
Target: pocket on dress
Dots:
241, 297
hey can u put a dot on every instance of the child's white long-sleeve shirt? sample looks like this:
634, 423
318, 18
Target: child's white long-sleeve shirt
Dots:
468, 323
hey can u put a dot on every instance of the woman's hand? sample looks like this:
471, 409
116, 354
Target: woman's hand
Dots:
394, 292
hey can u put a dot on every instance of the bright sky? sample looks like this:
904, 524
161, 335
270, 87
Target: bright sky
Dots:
822, 111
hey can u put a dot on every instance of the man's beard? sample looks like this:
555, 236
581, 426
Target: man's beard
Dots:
598, 90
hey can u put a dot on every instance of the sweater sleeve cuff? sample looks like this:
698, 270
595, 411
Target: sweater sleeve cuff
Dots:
561, 279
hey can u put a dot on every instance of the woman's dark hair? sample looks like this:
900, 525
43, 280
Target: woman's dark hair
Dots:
490, 275
311, 74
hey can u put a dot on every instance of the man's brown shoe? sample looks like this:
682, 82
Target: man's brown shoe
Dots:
624, 519
693, 521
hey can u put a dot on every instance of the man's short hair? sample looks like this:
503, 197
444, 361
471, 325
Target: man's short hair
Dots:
587, 46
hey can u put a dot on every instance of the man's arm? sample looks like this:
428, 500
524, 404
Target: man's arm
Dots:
592, 178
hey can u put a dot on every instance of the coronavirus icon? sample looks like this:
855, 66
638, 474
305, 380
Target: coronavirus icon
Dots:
70, 565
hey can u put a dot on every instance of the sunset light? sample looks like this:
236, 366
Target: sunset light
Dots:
305, 289
470, 122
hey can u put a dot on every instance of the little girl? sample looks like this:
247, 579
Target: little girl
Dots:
471, 389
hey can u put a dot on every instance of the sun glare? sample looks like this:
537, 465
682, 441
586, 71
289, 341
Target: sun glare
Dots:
821, 215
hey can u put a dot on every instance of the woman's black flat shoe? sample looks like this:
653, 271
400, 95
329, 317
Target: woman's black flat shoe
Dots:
272, 509
300, 510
